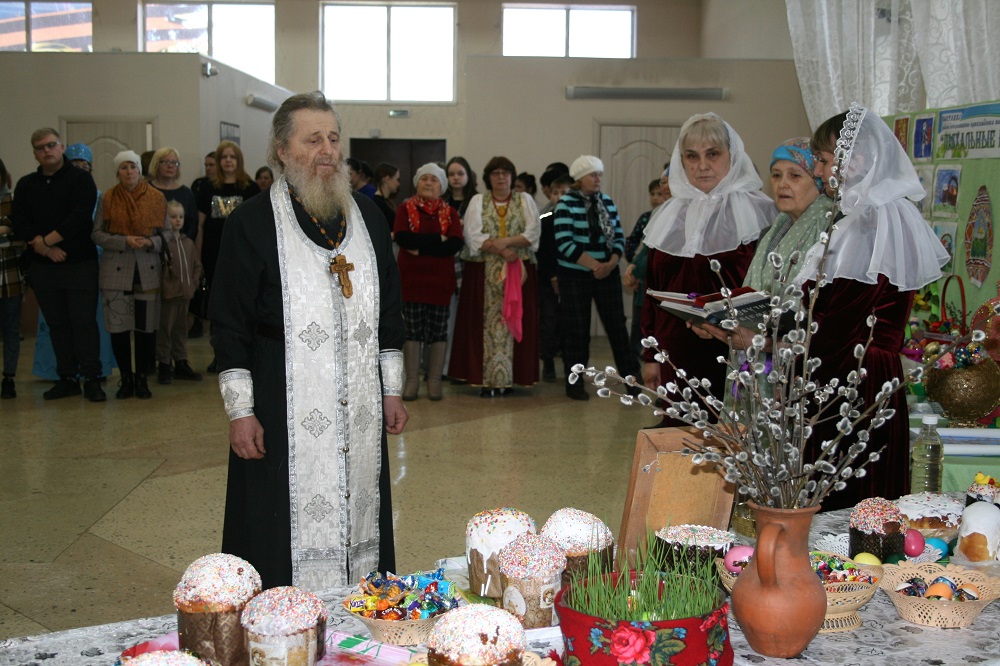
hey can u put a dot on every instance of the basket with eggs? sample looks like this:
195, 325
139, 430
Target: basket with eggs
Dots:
849, 585
937, 595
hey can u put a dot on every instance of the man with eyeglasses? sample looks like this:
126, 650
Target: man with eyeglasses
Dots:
53, 212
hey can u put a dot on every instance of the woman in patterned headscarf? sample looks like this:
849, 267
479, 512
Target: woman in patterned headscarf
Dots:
129, 219
496, 329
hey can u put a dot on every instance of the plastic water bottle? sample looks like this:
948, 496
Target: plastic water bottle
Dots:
928, 458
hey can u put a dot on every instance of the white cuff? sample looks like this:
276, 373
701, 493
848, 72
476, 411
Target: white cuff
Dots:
236, 386
391, 362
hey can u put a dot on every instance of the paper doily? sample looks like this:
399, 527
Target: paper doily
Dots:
839, 544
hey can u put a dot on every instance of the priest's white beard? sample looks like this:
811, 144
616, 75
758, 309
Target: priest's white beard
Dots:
325, 196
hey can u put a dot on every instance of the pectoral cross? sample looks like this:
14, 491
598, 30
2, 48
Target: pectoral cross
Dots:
340, 268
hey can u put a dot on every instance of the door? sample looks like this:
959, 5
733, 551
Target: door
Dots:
107, 139
633, 155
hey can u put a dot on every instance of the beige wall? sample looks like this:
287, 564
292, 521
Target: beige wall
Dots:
516, 106
186, 107
745, 29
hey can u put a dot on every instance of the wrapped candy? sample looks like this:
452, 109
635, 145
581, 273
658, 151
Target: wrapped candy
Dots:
412, 597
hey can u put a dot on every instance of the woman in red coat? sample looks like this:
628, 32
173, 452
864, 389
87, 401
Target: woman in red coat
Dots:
429, 234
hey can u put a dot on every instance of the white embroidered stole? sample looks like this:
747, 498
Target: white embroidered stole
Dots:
334, 401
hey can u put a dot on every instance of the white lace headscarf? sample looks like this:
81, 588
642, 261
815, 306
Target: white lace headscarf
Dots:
882, 232
733, 213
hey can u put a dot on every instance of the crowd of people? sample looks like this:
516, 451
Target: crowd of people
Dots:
479, 287
493, 288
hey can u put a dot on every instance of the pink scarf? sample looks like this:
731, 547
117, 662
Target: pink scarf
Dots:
513, 304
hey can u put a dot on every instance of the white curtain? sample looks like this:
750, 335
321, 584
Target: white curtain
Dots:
959, 52
894, 56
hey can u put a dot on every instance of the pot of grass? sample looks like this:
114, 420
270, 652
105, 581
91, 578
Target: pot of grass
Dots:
659, 612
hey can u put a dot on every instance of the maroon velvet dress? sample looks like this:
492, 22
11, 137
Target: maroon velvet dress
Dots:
698, 357
841, 310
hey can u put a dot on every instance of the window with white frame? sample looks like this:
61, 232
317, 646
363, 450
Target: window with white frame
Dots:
577, 31
46, 26
238, 34
389, 52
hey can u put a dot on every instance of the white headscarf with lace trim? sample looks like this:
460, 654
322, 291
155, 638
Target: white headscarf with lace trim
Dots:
692, 222
882, 232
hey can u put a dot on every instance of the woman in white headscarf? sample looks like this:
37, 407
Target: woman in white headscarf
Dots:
881, 253
429, 234
717, 211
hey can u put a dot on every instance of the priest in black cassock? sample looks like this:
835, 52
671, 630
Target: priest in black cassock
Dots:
307, 328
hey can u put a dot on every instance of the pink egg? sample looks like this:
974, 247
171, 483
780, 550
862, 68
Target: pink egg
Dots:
737, 557
913, 543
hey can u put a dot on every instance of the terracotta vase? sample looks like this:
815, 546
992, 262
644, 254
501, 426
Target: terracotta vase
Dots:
778, 599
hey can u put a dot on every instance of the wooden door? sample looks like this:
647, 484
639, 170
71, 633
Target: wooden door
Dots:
108, 138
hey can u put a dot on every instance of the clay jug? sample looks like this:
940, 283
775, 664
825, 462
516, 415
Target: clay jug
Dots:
778, 599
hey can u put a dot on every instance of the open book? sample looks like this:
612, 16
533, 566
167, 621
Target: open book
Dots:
751, 306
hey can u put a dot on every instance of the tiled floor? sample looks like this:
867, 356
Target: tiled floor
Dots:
102, 506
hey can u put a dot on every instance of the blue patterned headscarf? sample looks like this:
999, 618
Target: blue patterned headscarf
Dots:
798, 151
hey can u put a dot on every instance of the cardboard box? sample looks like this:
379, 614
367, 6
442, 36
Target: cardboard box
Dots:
665, 488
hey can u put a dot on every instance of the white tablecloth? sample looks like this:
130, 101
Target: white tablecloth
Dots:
883, 640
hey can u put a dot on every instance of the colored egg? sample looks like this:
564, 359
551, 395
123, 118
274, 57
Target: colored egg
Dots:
939, 591
895, 558
913, 543
967, 592
940, 544
866, 558
737, 557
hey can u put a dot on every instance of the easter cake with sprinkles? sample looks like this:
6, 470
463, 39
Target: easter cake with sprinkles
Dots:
285, 622
485, 534
476, 635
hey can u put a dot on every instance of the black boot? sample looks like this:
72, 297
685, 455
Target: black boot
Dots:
142, 387
576, 391
164, 374
126, 386
7, 389
183, 370
92, 390
64, 388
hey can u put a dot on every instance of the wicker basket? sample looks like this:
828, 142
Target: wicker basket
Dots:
400, 632
939, 613
842, 599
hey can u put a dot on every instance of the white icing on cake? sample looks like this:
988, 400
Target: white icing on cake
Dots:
577, 532
489, 531
931, 505
982, 518
477, 635
165, 658
218, 580
283, 611
697, 535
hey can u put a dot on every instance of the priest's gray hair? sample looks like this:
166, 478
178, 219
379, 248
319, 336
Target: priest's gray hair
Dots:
283, 124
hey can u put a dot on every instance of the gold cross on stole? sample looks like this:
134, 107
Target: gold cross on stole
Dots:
340, 268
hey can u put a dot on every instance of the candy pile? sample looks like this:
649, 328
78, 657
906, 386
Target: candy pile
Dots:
961, 356
413, 597
834, 569
941, 588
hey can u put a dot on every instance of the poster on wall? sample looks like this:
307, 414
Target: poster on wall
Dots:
926, 175
979, 238
945, 231
946, 182
901, 128
923, 132
971, 132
